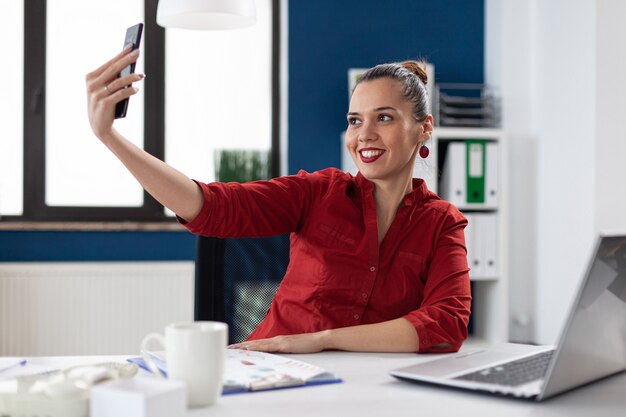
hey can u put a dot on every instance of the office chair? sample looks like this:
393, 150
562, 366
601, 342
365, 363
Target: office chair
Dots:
236, 280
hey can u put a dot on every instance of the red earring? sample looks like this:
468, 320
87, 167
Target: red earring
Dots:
424, 151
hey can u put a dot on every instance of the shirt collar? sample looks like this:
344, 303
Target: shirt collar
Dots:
419, 192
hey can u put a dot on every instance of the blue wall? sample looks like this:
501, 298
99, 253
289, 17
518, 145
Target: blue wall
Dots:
24, 246
327, 37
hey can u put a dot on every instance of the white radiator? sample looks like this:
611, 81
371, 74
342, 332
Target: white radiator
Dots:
89, 308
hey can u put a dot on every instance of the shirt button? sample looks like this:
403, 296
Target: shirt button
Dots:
364, 295
372, 268
356, 316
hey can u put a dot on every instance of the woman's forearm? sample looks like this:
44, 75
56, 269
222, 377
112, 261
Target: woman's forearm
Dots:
397, 335
167, 185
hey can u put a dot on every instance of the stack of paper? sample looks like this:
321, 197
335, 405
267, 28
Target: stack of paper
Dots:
248, 370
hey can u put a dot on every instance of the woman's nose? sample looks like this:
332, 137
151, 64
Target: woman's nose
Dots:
367, 132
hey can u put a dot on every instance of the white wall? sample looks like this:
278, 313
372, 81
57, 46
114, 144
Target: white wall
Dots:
565, 103
556, 65
610, 67
508, 67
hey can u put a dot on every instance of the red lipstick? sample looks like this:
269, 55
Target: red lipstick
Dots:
369, 155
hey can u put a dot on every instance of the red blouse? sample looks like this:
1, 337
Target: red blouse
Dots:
338, 274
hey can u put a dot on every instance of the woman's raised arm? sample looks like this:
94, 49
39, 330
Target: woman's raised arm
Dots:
167, 185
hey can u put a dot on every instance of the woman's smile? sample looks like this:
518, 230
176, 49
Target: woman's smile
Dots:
369, 155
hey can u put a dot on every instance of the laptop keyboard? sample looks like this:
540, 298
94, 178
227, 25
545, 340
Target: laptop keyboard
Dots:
513, 373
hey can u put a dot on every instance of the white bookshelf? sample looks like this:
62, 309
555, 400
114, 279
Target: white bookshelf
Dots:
490, 309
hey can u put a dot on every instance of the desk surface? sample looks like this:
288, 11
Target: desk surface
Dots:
368, 390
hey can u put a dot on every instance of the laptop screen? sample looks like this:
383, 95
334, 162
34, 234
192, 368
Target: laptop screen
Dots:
593, 341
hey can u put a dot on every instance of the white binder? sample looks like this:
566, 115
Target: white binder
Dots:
491, 175
453, 181
472, 258
454, 175
489, 245
481, 237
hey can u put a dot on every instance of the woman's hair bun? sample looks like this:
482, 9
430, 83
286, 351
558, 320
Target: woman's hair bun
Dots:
418, 68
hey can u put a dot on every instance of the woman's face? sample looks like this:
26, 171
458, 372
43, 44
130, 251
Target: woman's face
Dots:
383, 136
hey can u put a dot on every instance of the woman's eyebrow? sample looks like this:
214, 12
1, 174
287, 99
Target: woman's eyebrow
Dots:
377, 109
385, 108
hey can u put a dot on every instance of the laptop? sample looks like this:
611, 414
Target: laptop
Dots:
592, 344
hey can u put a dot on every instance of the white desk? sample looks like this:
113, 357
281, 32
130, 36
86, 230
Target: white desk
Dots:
368, 390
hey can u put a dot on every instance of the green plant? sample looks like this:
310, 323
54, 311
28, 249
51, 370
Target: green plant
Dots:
239, 165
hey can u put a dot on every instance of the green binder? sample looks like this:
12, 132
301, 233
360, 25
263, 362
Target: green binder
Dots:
475, 170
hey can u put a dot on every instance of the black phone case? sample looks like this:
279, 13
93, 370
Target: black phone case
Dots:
133, 35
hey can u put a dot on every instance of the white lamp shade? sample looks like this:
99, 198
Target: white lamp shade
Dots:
206, 14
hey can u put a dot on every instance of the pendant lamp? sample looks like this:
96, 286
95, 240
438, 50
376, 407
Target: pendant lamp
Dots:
206, 14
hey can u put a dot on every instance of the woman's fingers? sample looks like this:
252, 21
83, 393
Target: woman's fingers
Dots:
109, 92
123, 82
108, 72
107, 64
117, 66
120, 95
260, 345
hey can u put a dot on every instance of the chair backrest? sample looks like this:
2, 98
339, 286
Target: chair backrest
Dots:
236, 280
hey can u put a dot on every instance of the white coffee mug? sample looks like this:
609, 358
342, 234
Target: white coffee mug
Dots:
195, 352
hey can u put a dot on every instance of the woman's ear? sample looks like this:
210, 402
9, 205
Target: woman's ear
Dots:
428, 124
427, 129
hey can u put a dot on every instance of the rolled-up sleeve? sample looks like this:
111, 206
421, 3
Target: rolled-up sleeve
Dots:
255, 209
443, 315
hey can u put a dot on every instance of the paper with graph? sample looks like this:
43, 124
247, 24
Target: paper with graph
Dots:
248, 370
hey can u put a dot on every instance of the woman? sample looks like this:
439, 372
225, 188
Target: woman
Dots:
378, 262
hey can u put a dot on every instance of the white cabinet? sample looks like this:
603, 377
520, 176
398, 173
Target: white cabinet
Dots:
467, 167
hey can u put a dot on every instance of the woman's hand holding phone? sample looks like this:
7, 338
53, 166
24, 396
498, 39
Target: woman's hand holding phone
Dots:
111, 85
105, 90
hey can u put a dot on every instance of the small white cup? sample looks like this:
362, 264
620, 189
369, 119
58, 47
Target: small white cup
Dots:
195, 353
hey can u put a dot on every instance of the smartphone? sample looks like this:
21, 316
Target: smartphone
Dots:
133, 35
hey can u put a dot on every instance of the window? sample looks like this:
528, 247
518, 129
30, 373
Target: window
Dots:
78, 169
68, 174
217, 87
11, 107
